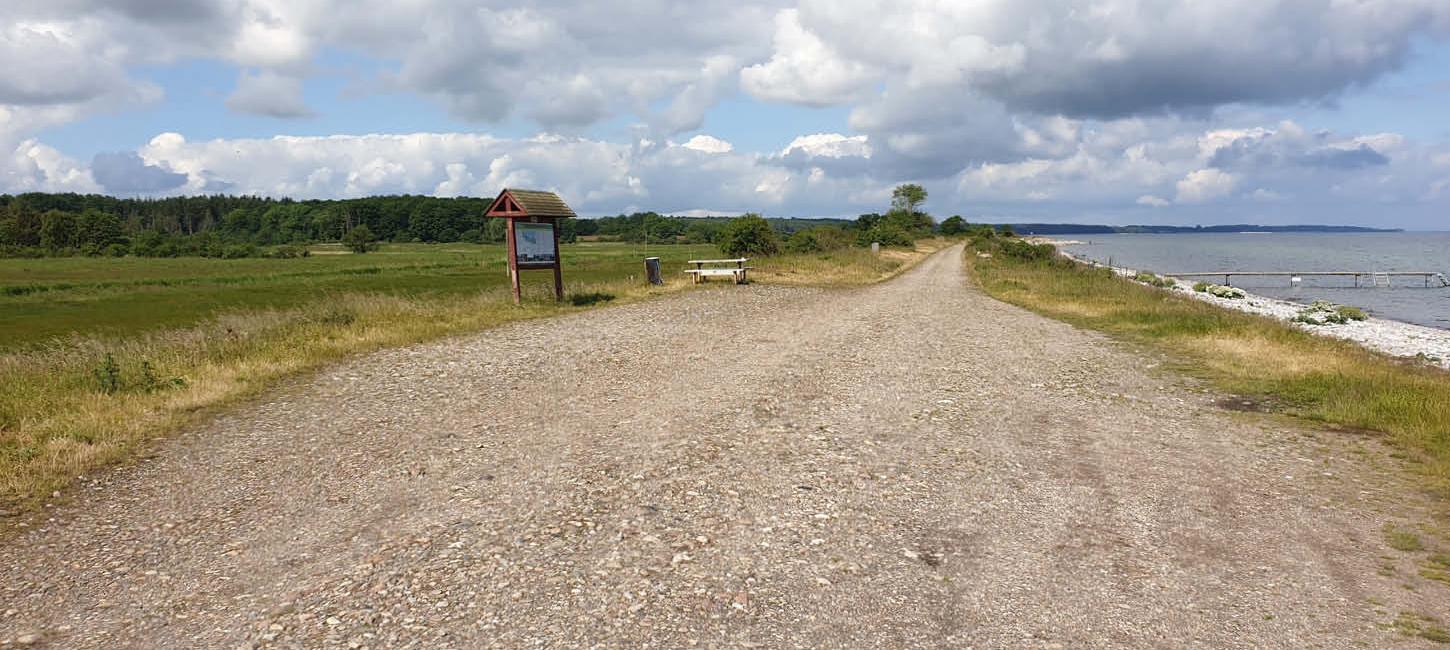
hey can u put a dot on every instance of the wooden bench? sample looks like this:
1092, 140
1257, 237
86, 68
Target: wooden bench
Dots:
700, 272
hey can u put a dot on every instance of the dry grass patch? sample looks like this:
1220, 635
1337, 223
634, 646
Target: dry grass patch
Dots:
63, 413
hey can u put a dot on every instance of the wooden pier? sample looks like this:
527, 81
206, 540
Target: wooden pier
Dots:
1377, 278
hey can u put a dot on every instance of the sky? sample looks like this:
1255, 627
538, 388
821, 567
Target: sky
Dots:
1088, 111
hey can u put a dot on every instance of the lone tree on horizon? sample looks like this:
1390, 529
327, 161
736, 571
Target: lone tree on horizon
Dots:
360, 239
907, 196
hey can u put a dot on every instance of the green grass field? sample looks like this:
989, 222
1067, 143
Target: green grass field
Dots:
41, 299
99, 355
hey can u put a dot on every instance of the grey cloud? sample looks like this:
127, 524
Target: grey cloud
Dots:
270, 94
1113, 58
935, 132
170, 11
1355, 158
1274, 150
127, 173
39, 68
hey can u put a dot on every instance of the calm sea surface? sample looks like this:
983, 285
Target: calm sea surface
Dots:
1407, 300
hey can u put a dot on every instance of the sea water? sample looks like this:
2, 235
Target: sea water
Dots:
1406, 300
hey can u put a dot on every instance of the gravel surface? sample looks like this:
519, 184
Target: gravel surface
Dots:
907, 465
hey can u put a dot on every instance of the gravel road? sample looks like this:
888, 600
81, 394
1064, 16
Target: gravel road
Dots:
907, 465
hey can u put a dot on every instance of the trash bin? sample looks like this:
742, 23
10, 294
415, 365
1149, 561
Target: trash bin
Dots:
652, 270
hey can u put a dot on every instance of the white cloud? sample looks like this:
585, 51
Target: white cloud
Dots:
35, 167
804, 69
1152, 201
1205, 185
708, 144
829, 145
1087, 104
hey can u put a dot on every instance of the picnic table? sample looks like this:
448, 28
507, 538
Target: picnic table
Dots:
710, 268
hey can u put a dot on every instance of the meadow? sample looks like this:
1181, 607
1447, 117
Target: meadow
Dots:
100, 355
1279, 368
55, 297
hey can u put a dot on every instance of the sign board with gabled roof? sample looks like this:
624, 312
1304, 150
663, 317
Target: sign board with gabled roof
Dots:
533, 233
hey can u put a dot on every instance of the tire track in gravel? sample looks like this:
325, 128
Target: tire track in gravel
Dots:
910, 464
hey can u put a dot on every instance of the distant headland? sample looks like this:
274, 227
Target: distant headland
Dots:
1088, 229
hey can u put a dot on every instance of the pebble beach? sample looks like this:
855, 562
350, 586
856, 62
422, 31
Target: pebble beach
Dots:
1428, 344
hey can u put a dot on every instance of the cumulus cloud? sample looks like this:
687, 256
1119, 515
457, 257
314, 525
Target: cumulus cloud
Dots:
35, 167
828, 145
1074, 105
804, 69
126, 173
1112, 58
47, 64
1204, 185
708, 144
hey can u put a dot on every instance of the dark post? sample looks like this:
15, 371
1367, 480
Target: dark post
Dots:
558, 266
513, 263
652, 270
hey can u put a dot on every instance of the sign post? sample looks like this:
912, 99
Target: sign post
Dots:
532, 234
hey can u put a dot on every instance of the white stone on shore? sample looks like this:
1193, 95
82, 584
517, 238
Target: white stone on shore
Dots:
1388, 336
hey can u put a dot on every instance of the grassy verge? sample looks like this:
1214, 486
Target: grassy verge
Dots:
1314, 377
113, 353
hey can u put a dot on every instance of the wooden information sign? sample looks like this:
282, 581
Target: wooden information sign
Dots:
533, 233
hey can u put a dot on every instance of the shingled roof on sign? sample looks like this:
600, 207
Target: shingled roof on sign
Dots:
529, 203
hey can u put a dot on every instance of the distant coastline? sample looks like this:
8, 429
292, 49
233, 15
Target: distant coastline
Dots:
1090, 229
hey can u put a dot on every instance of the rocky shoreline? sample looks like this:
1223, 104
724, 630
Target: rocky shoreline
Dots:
1392, 337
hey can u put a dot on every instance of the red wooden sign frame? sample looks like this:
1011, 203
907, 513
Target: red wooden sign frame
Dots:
506, 207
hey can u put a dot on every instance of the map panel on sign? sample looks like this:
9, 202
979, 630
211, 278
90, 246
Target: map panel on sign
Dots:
534, 243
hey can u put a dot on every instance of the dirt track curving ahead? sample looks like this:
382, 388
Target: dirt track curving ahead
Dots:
910, 464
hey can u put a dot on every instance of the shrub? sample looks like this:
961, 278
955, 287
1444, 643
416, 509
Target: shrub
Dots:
1018, 249
953, 225
1323, 312
887, 235
108, 375
1351, 313
750, 234
1232, 293
1201, 287
360, 239
831, 238
803, 241
1155, 280
239, 251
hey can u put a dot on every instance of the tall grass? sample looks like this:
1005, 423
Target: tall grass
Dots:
1309, 376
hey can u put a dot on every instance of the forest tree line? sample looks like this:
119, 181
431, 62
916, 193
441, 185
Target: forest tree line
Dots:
39, 225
